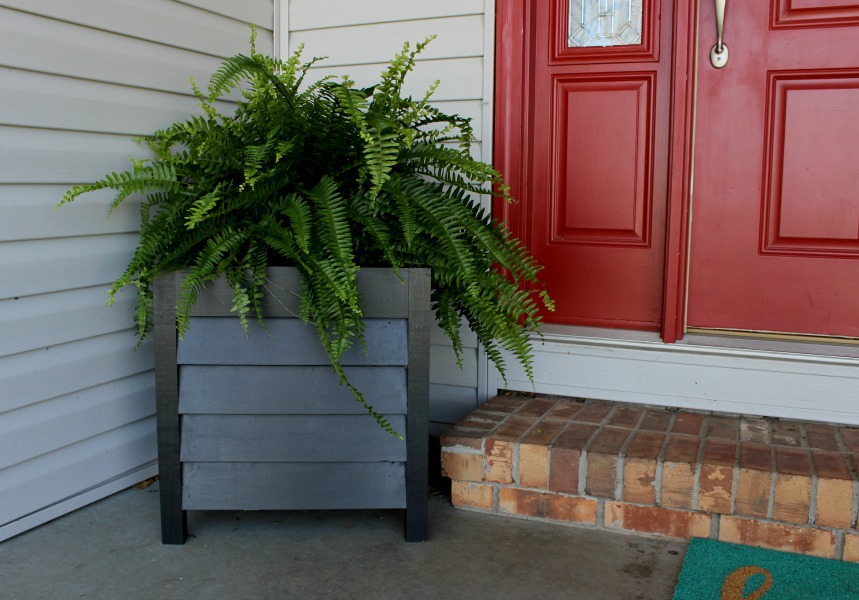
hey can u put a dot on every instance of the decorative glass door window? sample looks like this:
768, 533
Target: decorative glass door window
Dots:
604, 23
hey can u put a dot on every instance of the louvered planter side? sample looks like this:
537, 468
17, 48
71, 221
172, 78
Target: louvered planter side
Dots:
261, 422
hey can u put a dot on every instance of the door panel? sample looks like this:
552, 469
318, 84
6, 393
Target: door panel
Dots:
775, 209
594, 182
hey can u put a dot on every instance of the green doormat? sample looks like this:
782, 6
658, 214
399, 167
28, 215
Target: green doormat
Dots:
718, 571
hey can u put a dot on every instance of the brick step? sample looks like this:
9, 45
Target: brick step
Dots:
785, 485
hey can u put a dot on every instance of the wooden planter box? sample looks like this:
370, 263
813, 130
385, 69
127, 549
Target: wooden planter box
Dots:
261, 422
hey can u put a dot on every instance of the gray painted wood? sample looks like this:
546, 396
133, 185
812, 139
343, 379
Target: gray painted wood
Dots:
258, 390
288, 486
290, 438
383, 294
221, 340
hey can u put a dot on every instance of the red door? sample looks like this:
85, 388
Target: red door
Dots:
585, 148
775, 198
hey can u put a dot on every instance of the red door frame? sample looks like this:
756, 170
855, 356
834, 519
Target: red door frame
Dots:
514, 22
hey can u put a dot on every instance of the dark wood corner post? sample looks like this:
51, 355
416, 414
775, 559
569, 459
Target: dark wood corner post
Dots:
417, 418
174, 522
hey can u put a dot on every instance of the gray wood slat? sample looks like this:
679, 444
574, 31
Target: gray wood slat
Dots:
258, 390
383, 295
290, 438
288, 486
221, 341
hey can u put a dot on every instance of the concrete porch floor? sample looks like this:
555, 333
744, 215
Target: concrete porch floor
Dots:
112, 550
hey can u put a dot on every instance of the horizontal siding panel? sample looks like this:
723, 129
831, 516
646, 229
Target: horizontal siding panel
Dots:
28, 487
45, 266
40, 375
443, 368
449, 404
287, 341
258, 12
290, 438
45, 101
439, 337
289, 390
46, 46
30, 213
47, 320
48, 426
461, 78
51, 156
457, 37
162, 21
316, 14
293, 486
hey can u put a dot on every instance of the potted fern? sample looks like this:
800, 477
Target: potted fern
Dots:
287, 209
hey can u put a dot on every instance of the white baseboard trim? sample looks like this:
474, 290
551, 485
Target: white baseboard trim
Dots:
59, 509
789, 382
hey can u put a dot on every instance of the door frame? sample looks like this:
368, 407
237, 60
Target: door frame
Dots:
514, 19
774, 378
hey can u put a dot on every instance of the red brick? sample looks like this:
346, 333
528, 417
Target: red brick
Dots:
719, 452
793, 461
626, 417
725, 428
479, 424
850, 437
601, 475
505, 404
564, 470
678, 471
834, 505
472, 495
678, 483
594, 412
688, 423
513, 428
536, 407
753, 493
715, 486
515, 501
754, 430
646, 444
756, 456
786, 433
485, 415
822, 437
851, 547
602, 462
576, 436
639, 475
499, 462
682, 449
654, 520
565, 410
775, 536
656, 420
465, 467
609, 441
543, 433
792, 498
533, 466
830, 465
459, 437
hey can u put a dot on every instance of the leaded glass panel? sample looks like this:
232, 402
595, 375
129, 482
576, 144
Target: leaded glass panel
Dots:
604, 23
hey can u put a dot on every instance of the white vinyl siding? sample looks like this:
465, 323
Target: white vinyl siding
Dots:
358, 39
78, 79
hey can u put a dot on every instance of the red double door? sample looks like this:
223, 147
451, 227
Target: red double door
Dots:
751, 217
